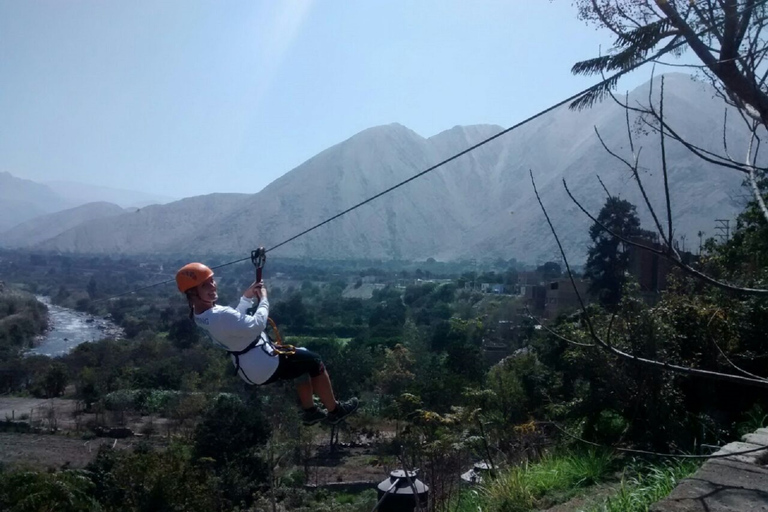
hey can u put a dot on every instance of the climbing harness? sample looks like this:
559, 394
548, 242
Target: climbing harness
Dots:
265, 341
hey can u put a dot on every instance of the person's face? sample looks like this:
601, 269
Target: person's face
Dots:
207, 290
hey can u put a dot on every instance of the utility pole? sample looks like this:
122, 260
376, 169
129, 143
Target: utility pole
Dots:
701, 241
723, 228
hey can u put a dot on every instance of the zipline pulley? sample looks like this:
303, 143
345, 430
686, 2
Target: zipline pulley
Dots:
258, 258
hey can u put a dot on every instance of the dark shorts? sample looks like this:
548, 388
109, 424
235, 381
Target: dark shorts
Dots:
293, 366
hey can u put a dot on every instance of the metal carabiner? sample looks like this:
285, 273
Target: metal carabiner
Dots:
258, 257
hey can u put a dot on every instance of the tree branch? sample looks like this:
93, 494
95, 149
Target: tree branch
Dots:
753, 180
664, 169
612, 349
740, 84
675, 260
704, 154
635, 173
731, 363
557, 334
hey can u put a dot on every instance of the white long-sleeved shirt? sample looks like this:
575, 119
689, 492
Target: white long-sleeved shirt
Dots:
234, 329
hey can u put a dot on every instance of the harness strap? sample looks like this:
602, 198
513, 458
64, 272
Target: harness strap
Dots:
237, 353
263, 341
258, 257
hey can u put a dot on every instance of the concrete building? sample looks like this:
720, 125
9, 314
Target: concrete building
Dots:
561, 297
649, 269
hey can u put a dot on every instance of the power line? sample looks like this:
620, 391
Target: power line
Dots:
659, 454
547, 110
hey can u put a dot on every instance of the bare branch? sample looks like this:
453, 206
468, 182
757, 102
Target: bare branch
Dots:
635, 173
604, 187
725, 135
700, 152
728, 44
753, 180
664, 169
610, 328
629, 129
557, 334
669, 256
708, 19
612, 349
731, 363
739, 83
605, 21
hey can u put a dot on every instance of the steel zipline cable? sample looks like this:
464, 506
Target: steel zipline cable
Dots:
569, 99
757, 448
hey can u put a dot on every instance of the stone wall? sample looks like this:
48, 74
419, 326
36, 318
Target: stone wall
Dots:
738, 483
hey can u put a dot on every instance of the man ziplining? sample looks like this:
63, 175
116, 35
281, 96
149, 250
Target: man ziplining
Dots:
257, 359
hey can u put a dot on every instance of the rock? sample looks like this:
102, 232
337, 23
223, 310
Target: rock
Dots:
720, 486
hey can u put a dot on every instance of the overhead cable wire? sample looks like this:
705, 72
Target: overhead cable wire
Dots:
569, 99
659, 454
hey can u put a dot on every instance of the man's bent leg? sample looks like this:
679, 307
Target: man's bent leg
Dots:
322, 387
304, 389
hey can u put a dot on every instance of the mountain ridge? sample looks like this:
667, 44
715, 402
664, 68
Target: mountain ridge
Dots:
460, 209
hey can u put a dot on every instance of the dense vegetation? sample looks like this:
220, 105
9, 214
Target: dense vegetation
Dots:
22, 318
417, 354
421, 346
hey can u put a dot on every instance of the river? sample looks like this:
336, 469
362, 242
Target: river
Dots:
69, 328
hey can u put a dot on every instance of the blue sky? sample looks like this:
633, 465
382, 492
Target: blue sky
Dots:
184, 98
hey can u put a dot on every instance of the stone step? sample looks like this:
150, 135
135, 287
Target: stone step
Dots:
756, 438
748, 458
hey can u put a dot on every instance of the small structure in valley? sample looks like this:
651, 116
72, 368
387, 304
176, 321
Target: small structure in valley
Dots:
475, 475
400, 492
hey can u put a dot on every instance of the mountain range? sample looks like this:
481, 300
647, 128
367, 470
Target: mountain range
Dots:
479, 206
22, 200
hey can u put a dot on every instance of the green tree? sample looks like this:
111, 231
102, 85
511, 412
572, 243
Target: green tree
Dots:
292, 313
229, 429
725, 35
64, 491
550, 270
92, 288
145, 480
396, 371
55, 380
747, 250
183, 333
608, 259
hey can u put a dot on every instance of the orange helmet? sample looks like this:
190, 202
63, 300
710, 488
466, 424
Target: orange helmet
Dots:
191, 275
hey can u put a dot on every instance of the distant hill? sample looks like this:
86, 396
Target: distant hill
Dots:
81, 193
45, 227
155, 228
479, 206
22, 199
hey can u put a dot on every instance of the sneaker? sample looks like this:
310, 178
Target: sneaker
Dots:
312, 416
343, 409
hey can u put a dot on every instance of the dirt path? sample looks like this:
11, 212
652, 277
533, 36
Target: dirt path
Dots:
40, 451
24, 409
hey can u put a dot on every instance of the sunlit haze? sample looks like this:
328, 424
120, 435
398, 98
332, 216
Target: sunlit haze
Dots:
183, 98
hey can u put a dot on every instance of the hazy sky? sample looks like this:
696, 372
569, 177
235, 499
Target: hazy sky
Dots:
188, 97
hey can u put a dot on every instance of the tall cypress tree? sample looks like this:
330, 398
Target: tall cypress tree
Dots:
608, 258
